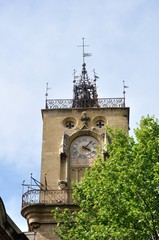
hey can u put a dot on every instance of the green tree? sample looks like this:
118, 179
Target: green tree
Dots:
119, 197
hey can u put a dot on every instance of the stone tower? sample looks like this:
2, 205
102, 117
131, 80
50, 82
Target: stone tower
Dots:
73, 130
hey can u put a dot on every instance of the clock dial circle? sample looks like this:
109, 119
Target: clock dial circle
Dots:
84, 147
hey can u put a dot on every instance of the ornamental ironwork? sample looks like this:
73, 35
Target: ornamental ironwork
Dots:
37, 196
72, 103
85, 92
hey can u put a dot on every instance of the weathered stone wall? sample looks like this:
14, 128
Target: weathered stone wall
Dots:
54, 128
57, 138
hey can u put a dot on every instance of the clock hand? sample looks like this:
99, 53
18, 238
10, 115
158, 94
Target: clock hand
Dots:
86, 148
88, 143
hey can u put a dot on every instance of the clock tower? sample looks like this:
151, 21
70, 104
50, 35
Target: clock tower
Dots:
73, 133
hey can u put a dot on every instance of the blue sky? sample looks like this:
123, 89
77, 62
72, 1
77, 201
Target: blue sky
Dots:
38, 44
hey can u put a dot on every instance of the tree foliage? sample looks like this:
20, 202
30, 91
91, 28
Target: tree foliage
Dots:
119, 197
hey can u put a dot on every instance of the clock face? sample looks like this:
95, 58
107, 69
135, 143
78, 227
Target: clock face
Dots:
84, 147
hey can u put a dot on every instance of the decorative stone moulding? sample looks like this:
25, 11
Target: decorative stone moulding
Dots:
62, 184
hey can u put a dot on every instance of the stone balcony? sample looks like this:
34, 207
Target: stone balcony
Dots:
50, 197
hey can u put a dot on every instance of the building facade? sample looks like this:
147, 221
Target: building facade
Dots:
8, 229
74, 132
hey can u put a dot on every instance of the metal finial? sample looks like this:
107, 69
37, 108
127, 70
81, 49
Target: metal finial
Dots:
84, 90
95, 75
23, 186
124, 92
74, 76
46, 94
47, 88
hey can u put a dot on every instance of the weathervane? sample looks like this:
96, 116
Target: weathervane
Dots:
85, 54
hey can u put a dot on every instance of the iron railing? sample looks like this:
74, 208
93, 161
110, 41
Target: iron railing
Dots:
37, 196
69, 103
